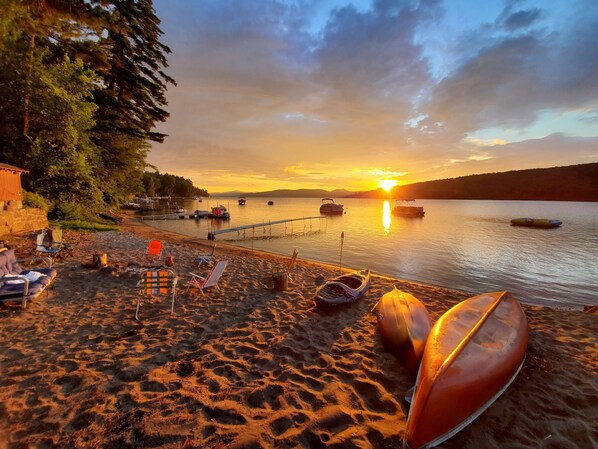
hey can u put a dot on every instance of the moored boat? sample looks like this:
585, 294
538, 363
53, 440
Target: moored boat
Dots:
343, 289
404, 208
330, 207
404, 323
473, 353
219, 212
536, 222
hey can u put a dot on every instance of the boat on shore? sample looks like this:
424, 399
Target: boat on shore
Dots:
536, 222
473, 353
330, 207
404, 323
405, 208
343, 289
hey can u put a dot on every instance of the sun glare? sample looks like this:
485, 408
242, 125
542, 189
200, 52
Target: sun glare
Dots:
387, 184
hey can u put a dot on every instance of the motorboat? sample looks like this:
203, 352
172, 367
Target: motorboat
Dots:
404, 323
242, 201
330, 207
405, 208
270, 203
343, 289
536, 222
472, 354
219, 212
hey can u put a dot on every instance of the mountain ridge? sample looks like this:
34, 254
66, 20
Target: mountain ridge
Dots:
564, 183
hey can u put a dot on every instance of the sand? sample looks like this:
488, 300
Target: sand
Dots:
250, 367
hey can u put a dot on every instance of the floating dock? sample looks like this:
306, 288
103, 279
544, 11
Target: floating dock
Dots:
212, 235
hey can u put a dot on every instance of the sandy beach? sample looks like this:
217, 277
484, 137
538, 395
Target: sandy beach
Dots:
250, 367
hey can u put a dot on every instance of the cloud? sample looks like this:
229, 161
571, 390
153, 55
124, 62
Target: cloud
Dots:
307, 92
514, 77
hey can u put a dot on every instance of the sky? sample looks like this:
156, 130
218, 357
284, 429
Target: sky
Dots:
328, 94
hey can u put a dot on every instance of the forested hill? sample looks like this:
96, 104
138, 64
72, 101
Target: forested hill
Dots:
571, 183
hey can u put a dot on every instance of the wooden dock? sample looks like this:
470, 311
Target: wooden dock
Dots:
173, 216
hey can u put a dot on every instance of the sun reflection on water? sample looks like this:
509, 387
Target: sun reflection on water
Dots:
386, 217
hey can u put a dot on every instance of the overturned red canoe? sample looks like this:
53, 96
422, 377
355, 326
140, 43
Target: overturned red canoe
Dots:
473, 353
404, 324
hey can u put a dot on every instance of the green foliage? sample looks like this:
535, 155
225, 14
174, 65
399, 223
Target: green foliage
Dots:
64, 210
83, 225
34, 200
82, 87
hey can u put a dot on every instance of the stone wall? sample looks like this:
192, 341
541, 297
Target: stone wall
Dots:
22, 220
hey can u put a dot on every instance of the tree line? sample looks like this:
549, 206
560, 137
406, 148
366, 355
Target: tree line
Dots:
82, 87
570, 183
164, 184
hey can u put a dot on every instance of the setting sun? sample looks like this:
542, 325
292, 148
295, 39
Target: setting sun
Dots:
387, 184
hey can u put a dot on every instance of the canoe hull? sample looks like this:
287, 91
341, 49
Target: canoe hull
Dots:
404, 323
343, 289
473, 353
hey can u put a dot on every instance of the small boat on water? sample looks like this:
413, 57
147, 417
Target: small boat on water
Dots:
404, 208
242, 201
536, 222
330, 207
473, 353
219, 212
404, 323
270, 203
343, 289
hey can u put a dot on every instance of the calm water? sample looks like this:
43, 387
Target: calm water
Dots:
464, 245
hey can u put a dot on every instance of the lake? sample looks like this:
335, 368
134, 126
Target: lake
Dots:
460, 244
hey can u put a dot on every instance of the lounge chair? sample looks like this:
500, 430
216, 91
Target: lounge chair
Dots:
156, 282
211, 280
17, 284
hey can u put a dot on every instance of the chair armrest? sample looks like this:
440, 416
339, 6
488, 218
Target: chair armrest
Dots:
198, 276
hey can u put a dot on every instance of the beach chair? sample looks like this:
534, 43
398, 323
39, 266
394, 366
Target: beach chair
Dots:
58, 240
42, 249
289, 267
154, 283
205, 258
154, 249
211, 280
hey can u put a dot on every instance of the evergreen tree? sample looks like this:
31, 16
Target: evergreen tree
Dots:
132, 102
